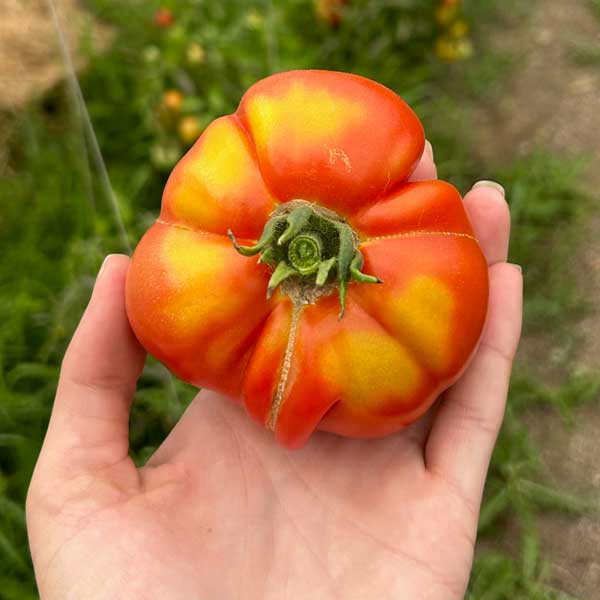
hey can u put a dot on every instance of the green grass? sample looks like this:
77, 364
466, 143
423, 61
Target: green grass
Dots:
547, 207
56, 224
585, 54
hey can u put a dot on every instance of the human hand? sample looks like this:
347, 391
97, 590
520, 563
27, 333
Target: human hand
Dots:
221, 512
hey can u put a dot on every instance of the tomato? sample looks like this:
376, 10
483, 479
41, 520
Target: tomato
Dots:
169, 108
163, 18
189, 129
172, 100
295, 269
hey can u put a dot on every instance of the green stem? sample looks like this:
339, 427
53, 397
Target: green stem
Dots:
304, 252
313, 245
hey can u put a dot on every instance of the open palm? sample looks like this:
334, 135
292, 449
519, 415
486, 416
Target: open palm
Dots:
221, 512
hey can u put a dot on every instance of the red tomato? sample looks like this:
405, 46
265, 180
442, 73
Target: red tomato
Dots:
163, 18
311, 176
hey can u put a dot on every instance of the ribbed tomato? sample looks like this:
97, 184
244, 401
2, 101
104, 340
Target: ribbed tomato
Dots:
370, 292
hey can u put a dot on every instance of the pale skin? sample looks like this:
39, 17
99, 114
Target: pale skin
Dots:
222, 512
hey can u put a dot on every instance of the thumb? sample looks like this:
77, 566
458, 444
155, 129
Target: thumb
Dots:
89, 426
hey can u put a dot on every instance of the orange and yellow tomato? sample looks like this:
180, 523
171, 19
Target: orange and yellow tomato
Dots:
343, 143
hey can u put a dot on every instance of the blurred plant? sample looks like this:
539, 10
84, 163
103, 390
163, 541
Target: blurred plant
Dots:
452, 43
211, 52
330, 11
195, 54
543, 191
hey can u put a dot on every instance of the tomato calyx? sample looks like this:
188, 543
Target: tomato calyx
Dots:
311, 249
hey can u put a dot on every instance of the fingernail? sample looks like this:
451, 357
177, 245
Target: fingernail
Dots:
103, 266
490, 184
517, 266
429, 149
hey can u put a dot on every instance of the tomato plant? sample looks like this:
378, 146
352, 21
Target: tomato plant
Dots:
367, 293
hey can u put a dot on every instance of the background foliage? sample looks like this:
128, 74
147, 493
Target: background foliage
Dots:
169, 71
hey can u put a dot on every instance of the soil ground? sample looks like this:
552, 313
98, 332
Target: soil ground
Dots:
550, 100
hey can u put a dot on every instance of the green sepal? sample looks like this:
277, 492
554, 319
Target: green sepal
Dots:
324, 269
345, 251
265, 238
269, 257
306, 242
283, 271
296, 220
343, 289
357, 274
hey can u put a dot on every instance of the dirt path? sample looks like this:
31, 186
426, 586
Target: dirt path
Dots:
551, 101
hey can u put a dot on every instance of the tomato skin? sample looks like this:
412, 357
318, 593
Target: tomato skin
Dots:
337, 139
347, 144
196, 305
422, 206
217, 185
265, 364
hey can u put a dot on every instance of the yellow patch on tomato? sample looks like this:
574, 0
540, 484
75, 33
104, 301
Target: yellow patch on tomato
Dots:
370, 367
422, 314
193, 256
221, 171
302, 117
199, 294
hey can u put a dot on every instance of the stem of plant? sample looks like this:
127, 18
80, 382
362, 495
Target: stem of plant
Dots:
309, 245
